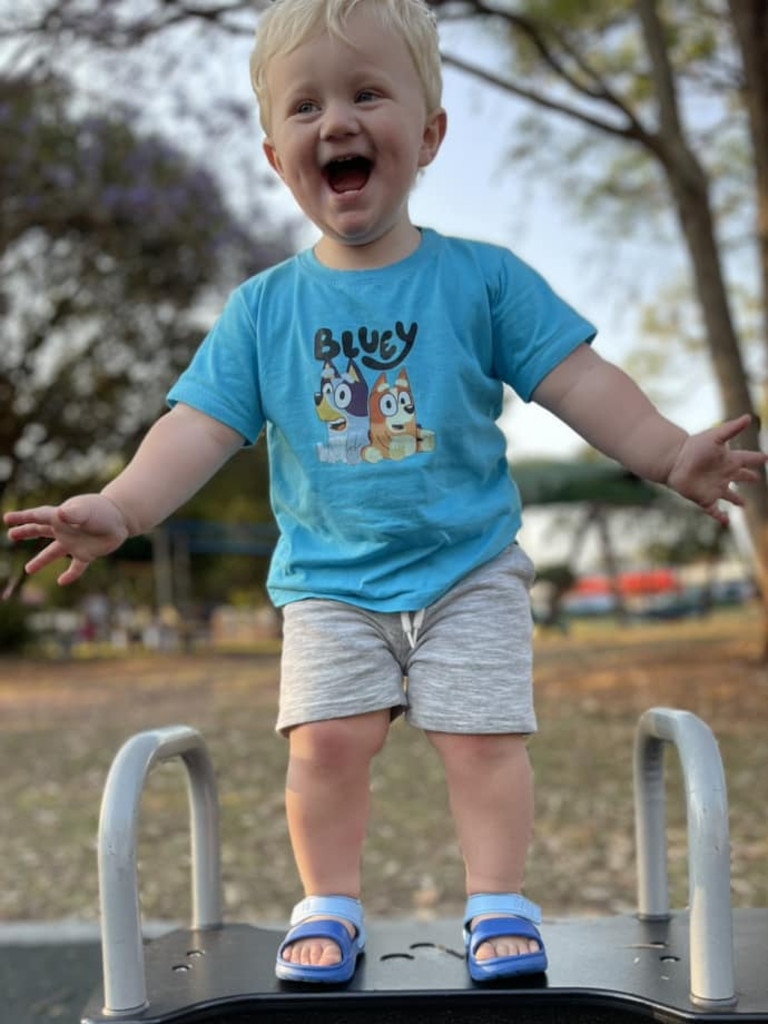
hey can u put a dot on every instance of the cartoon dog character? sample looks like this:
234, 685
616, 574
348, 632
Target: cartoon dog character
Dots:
395, 434
342, 404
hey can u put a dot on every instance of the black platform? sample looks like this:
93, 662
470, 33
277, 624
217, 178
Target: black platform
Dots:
603, 971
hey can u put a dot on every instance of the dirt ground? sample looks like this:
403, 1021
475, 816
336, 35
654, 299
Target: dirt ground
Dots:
61, 724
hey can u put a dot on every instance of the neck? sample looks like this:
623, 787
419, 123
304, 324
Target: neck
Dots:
391, 248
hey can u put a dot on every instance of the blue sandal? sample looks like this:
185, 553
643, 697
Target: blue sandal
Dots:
517, 916
344, 907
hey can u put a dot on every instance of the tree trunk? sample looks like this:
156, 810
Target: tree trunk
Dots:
750, 22
691, 197
689, 186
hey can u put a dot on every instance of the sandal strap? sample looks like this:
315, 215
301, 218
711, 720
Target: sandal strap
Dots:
345, 907
507, 903
494, 927
320, 929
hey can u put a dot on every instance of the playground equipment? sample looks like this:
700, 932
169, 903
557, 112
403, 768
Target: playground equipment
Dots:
706, 963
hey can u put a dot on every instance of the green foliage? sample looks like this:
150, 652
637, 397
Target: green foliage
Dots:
589, 61
560, 575
686, 538
239, 493
113, 243
15, 633
92, 178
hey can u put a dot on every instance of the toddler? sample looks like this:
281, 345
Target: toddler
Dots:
376, 361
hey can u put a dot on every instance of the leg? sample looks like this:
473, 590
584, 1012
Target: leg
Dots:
491, 793
327, 803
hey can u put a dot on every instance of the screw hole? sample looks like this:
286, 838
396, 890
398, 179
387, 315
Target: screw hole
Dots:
181, 968
669, 959
193, 953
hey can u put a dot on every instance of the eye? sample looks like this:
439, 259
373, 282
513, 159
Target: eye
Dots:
328, 390
406, 402
305, 107
343, 396
366, 96
388, 405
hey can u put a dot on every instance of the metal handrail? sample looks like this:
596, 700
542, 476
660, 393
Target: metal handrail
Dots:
711, 925
709, 879
125, 988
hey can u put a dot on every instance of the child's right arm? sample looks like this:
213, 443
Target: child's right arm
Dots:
179, 454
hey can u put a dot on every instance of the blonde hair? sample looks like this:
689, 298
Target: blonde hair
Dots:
286, 24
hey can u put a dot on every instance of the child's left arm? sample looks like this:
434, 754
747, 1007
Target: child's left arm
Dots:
605, 406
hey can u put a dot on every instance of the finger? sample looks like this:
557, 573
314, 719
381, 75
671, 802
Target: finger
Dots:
747, 476
73, 572
732, 428
756, 460
11, 585
718, 514
30, 531
28, 516
49, 554
16, 517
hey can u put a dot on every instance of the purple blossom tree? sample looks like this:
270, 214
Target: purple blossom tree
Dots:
116, 250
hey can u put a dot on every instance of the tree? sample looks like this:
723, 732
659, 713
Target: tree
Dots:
112, 242
628, 71
750, 24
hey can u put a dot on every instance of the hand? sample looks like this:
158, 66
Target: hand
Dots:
82, 528
705, 468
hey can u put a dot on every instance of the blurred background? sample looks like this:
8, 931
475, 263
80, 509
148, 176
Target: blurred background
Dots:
620, 148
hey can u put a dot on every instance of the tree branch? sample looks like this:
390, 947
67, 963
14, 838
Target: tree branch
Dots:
631, 130
539, 36
663, 76
588, 82
61, 16
673, 149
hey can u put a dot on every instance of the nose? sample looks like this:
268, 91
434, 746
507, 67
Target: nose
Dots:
339, 120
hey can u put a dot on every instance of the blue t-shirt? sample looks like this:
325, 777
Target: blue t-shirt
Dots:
380, 390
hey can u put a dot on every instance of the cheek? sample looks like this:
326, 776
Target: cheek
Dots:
298, 158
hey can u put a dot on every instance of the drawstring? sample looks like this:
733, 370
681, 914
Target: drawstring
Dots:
411, 626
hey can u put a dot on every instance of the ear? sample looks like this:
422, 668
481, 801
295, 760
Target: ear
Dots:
434, 133
272, 157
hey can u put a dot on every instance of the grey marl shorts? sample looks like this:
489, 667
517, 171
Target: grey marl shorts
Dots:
462, 665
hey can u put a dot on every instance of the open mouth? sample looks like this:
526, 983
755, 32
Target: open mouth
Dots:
349, 174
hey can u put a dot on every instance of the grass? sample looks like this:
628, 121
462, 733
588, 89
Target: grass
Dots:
61, 723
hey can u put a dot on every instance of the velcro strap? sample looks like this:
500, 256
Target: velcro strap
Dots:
501, 903
345, 907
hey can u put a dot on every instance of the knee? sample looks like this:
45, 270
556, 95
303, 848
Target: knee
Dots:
482, 751
340, 743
